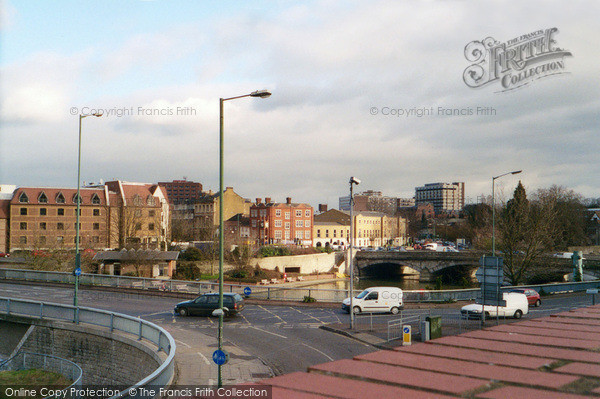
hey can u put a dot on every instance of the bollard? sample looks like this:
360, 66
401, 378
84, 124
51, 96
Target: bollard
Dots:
424, 331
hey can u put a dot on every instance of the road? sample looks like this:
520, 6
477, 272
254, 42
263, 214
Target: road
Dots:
286, 338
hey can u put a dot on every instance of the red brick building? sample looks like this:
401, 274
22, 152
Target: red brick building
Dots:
281, 223
181, 192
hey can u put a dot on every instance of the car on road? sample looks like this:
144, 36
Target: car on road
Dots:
4, 255
206, 304
533, 297
376, 300
516, 306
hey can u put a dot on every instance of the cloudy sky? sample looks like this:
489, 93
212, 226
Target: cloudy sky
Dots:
341, 72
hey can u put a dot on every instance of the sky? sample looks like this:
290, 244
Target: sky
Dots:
371, 89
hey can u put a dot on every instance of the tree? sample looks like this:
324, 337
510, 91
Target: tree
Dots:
525, 231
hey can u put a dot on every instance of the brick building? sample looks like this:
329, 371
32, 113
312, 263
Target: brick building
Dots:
182, 191
281, 223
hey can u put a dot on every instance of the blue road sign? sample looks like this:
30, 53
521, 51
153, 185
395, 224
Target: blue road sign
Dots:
406, 329
247, 291
220, 357
77, 272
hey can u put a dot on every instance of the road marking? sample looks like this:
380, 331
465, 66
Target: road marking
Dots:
315, 349
309, 315
183, 343
269, 332
156, 313
203, 358
268, 311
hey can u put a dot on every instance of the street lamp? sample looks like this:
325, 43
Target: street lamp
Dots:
77, 270
353, 181
261, 94
494, 208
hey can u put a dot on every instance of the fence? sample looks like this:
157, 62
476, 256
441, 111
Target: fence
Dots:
140, 328
64, 367
273, 292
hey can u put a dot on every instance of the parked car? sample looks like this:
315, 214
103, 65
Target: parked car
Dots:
533, 297
4, 255
516, 306
205, 304
376, 300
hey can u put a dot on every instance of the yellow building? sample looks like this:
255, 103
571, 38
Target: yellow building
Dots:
206, 210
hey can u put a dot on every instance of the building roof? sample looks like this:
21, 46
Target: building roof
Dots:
333, 215
137, 255
52, 194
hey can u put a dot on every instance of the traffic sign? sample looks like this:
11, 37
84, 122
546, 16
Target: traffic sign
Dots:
220, 357
406, 335
247, 291
491, 261
77, 272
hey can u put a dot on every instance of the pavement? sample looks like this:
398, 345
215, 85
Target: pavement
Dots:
548, 357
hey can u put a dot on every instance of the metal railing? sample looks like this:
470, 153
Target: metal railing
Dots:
64, 367
268, 292
138, 327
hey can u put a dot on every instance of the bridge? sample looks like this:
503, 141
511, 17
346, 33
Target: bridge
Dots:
423, 265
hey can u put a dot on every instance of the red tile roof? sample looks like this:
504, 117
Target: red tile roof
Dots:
33, 195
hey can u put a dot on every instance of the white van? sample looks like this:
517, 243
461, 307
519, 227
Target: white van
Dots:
516, 306
376, 300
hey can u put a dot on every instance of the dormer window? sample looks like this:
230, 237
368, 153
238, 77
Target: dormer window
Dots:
75, 199
150, 200
95, 199
43, 199
23, 198
137, 200
60, 198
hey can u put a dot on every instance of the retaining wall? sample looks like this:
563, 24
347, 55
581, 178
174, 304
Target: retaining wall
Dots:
321, 263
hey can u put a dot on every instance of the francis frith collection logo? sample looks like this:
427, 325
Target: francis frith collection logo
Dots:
516, 62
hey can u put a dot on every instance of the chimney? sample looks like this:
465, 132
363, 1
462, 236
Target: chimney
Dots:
267, 200
322, 208
258, 201
288, 200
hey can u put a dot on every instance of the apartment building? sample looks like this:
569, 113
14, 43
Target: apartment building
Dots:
206, 209
181, 192
332, 229
447, 198
281, 223
113, 215
374, 201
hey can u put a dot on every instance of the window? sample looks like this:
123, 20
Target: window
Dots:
307, 223
278, 212
278, 234
277, 223
254, 213
299, 235
138, 226
42, 199
96, 212
318, 233
254, 223
60, 211
60, 239
75, 226
23, 198
287, 235
75, 197
299, 223
372, 296
43, 211
42, 240
307, 213
95, 239
263, 213
287, 225
96, 226
327, 233
23, 225
287, 215
151, 226
307, 234
43, 226
138, 213
22, 240
75, 212
298, 213
23, 211
151, 213
60, 198
60, 226
334, 233
95, 199
137, 200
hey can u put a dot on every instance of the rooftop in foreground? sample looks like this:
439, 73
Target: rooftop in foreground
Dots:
551, 357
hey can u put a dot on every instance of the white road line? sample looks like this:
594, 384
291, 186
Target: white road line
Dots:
183, 343
203, 358
315, 349
269, 332
268, 311
156, 313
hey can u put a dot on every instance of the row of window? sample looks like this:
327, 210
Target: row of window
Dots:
61, 226
334, 233
299, 235
59, 212
278, 213
42, 240
60, 198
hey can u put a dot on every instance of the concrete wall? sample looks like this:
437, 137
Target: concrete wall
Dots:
105, 358
321, 263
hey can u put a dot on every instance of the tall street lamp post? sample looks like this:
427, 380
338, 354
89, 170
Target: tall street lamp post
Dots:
353, 181
261, 94
494, 208
77, 270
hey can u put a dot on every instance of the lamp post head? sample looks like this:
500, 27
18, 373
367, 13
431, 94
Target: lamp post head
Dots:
516, 172
354, 180
261, 93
